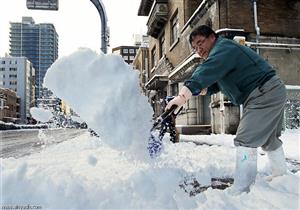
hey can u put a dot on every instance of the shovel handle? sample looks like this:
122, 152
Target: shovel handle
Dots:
169, 111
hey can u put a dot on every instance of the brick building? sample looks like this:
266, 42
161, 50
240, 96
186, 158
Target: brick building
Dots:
270, 27
9, 106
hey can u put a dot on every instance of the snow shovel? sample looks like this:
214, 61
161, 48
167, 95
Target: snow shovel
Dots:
155, 140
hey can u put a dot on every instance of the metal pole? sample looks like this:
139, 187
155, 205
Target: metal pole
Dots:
104, 29
256, 23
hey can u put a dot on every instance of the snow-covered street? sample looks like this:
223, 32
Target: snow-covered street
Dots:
86, 173
17, 143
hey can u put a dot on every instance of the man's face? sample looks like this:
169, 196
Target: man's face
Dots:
202, 45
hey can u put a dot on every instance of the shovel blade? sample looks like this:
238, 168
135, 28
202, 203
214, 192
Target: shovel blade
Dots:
155, 145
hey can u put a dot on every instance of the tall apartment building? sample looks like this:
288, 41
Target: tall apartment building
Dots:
17, 74
37, 42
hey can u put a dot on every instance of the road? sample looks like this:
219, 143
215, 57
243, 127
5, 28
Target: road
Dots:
18, 143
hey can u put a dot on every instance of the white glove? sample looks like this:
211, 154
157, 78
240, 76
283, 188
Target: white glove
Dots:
184, 95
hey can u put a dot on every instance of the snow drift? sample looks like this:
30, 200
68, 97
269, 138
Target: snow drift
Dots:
105, 92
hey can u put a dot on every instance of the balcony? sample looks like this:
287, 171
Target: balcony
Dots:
185, 69
157, 82
158, 18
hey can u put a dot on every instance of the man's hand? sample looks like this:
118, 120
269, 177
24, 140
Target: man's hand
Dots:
178, 100
184, 95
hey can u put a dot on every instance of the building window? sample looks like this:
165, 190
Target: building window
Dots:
131, 57
153, 57
125, 57
13, 82
162, 46
125, 50
2, 69
12, 69
131, 51
2, 62
174, 28
12, 76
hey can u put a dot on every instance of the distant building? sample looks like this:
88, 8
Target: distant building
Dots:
9, 106
37, 42
18, 75
65, 108
141, 40
127, 52
141, 64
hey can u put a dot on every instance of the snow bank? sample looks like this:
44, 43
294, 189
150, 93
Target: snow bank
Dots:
105, 92
85, 173
40, 114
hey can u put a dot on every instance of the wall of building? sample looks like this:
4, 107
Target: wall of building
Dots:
275, 17
141, 64
286, 63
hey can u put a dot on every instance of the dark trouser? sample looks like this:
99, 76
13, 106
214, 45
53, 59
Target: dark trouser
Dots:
261, 122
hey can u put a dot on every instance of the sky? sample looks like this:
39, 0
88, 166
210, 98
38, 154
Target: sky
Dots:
78, 24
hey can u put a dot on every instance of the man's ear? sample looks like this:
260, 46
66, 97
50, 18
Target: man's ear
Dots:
212, 37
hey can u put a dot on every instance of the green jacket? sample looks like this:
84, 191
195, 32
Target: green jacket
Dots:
231, 68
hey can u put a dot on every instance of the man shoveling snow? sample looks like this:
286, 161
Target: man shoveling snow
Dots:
246, 78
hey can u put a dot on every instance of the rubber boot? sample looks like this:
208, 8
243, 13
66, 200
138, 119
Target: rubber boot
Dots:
245, 170
277, 163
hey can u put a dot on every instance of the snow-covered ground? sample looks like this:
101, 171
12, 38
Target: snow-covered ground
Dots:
115, 171
86, 173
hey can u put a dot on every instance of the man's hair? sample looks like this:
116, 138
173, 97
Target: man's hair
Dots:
202, 30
